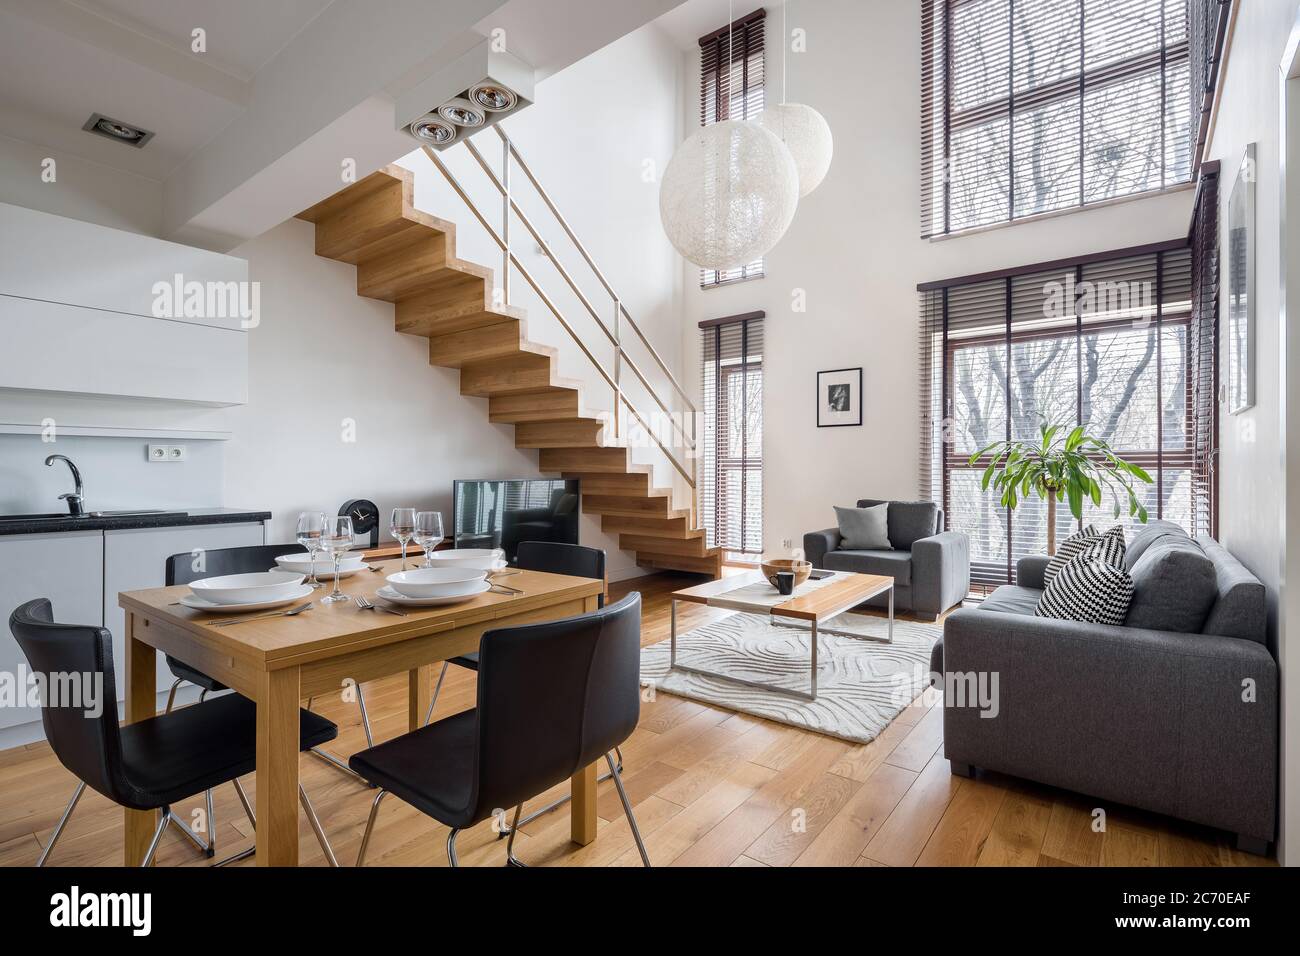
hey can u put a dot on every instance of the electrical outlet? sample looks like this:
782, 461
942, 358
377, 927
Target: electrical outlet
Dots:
166, 453
787, 543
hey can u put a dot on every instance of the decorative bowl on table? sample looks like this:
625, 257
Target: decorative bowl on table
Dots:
484, 559
437, 582
247, 588
800, 568
302, 563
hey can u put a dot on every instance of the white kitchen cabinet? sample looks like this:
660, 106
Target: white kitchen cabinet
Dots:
67, 568
135, 558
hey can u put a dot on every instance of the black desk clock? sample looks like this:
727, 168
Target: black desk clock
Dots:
365, 518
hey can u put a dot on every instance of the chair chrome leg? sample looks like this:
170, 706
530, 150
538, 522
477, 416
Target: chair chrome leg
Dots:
243, 799
451, 848
437, 688
308, 809
365, 717
511, 859
171, 695
627, 808
241, 855
157, 836
370, 825
63, 821
562, 800
336, 763
203, 695
189, 834
212, 825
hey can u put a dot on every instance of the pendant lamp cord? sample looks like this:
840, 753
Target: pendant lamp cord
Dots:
785, 47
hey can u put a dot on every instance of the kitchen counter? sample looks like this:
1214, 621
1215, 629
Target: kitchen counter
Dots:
166, 519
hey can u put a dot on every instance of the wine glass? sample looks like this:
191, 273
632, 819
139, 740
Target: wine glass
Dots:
311, 524
428, 534
336, 541
401, 527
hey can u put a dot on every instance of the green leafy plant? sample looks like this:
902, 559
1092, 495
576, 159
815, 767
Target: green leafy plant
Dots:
1064, 466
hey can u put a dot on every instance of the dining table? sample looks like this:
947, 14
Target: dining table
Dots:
278, 661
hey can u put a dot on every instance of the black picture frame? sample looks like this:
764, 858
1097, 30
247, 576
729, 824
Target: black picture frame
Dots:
838, 396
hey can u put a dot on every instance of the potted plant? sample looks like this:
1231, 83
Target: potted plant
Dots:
1062, 466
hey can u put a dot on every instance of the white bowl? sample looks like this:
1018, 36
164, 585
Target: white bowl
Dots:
437, 582
247, 588
485, 559
301, 563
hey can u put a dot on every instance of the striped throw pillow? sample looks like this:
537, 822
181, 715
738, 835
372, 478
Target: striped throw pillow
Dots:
1069, 548
1089, 589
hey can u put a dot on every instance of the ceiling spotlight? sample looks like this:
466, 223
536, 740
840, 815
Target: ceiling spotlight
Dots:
493, 97
106, 126
431, 128
461, 112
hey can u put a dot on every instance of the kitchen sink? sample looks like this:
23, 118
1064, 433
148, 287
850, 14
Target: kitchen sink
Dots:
59, 518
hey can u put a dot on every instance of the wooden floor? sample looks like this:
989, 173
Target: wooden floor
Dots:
709, 788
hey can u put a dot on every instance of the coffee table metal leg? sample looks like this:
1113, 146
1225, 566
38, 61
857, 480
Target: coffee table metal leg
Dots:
812, 684
672, 633
891, 615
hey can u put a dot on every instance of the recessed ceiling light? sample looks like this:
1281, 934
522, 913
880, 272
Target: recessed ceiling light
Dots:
116, 130
431, 128
461, 112
493, 97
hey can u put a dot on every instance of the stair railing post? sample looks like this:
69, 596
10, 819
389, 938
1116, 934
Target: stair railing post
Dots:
505, 218
618, 368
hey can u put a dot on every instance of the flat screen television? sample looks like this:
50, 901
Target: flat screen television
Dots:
500, 513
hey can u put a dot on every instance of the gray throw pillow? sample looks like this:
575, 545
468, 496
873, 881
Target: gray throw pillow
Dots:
1146, 535
1174, 586
864, 529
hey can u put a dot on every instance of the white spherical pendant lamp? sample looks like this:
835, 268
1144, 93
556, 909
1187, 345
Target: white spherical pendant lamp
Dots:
807, 135
728, 195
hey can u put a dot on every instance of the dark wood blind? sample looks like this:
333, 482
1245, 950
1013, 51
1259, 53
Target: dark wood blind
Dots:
732, 88
1208, 26
731, 465
1122, 342
1205, 349
1033, 106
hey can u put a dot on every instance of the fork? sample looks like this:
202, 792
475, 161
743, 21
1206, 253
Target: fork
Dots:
366, 605
261, 617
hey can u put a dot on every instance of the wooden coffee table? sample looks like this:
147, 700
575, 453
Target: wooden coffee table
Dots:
814, 607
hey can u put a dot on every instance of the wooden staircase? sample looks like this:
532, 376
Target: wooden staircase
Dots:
408, 257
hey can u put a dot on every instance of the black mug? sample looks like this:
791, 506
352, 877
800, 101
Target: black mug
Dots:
785, 582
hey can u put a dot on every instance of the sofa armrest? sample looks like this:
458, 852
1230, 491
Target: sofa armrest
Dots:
1031, 571
817, 543
940, 572
1184, 724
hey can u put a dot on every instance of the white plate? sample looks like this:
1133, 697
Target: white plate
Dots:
388, 594
485, 559
437, 582
258, 586
199, 604
299, 564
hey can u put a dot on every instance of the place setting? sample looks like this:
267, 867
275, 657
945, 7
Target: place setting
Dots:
444, 577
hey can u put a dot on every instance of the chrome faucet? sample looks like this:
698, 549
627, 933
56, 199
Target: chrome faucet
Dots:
75, 499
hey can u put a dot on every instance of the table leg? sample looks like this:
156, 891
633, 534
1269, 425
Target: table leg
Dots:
418, 696
141, 703
277, 767
672, 633
891, 615
582, 814
812, 689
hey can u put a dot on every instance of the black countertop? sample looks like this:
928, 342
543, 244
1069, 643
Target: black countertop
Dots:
20, 524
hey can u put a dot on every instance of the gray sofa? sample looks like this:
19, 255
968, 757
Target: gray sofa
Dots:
930, 566
1156, 717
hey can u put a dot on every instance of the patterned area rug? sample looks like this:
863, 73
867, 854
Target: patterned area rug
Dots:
861, 685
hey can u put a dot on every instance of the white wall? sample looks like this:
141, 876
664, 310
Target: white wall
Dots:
854, 249
1251, 478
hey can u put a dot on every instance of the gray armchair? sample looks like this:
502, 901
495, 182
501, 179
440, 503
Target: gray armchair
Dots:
930, 566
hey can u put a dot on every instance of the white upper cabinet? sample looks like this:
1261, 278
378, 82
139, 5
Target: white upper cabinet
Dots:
89, 310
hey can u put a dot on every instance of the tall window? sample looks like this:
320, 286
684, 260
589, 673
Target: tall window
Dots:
731, 455
1123, 343
1033, 106
731, 87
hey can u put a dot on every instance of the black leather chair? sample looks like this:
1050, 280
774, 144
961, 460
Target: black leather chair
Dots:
150, 764
219, 561
552, 698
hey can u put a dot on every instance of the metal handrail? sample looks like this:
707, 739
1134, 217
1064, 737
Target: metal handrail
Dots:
559, 316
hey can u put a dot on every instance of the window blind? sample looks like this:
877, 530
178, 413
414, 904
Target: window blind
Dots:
1208, 28
1122, 342
731, 492
732, 88
1034, 106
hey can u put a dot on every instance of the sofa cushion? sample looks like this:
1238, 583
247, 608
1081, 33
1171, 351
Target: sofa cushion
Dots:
864, 529
909, 521
1145, 536
1174, 586
1089, 590
1012, 599
896, 564
1069, 548
1239, 610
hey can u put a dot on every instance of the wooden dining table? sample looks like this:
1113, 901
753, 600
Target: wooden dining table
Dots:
276, 662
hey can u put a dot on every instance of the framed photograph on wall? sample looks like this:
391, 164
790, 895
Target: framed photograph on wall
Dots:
1240, 251
839, 397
